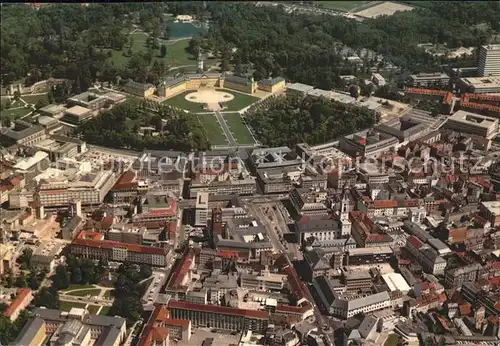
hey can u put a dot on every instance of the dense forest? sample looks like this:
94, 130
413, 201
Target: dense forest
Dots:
120, 128
290, 120
305, 47
74, 41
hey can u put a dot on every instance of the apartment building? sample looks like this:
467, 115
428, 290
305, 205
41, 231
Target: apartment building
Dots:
219, 317
90, 245
425, 255
456, 277
23, 299
368, 255
490, 210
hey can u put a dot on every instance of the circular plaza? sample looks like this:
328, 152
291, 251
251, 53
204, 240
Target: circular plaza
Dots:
209, 96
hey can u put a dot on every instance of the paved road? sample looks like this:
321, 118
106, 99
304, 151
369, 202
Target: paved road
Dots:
321, 320
225, 128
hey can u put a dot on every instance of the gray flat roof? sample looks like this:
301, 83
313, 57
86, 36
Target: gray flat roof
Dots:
300, 87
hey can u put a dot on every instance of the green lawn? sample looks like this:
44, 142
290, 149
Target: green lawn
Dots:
238, 128
93, 309
107, 294
15, 113
16, 103
176, 52
104, 310
34, 98
392, 340
66, 306
215, 135
76, 286
82, 293
239, 102
341, 5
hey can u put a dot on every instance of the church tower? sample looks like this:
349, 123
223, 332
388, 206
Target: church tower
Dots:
200, 61
344, 214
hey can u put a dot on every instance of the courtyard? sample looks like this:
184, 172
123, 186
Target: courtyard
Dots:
232, 100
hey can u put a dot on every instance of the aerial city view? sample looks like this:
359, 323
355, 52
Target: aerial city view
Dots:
250, 173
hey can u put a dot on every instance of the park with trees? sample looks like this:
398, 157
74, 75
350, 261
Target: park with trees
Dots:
288, 120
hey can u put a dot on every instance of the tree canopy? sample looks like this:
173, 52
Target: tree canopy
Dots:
290, 120
119, 128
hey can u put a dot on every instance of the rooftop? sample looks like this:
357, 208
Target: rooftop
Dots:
222, 310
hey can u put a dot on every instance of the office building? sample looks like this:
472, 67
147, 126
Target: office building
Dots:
359, 280
23, 133
91, 245
472, 123
479, 85
489, 60
201, 212
77, 115
429, 79
76, 327
346, 306
219, 317
58, 188
367, 143
365, 256
429, 258
263, 282
490, 210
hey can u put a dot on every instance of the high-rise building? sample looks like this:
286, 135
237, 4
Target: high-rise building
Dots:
489, 60
201, 214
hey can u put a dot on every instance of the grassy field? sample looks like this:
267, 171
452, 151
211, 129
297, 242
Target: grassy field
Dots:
76, 286
107, 294
104, 310
392, 340
180, 102
34, 98
215, 135
176, 52
239, 102
341, 5
82, 293
93, 309
66, 306
15, 113
238, 128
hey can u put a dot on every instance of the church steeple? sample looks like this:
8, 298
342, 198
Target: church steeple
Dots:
200, 61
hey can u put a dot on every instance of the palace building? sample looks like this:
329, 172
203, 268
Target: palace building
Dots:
194, 81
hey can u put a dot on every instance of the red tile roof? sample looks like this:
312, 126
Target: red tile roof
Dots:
414, 241
227, 254
175, 304
152, 332
126, 182
292, 309
384, 204
90, 235
180, 272
22, 293
176, 322
108, 244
